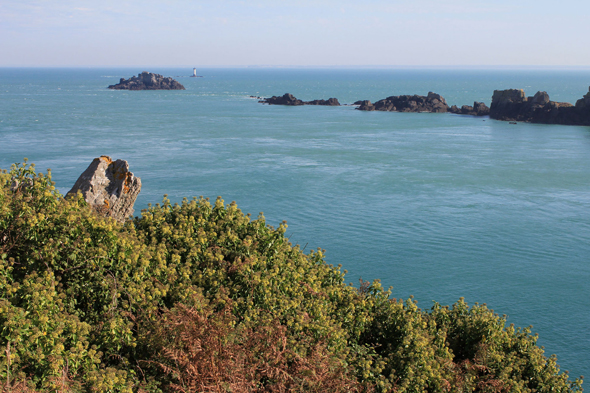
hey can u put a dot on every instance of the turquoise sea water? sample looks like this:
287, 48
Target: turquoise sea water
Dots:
438, 206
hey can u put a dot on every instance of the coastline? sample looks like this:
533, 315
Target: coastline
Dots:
477, 187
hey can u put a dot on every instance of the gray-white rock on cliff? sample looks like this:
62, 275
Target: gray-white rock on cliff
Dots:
108, 187
147, 81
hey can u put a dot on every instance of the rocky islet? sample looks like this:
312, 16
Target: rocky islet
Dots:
147, 81
509, 105
513, 105
290, 100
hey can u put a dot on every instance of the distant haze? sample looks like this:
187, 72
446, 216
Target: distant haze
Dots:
296, 33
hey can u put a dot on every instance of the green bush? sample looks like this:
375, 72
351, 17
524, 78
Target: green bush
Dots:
177, 298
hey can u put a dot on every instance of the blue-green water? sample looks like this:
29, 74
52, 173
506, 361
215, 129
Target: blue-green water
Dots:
438, 206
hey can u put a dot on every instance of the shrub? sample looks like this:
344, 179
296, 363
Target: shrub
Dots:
198, 296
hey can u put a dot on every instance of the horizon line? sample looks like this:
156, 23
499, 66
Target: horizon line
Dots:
366, 66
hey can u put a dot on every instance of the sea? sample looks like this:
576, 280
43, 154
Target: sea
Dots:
437, 206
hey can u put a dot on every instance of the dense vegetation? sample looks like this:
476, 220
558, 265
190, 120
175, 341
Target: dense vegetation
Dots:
200, 297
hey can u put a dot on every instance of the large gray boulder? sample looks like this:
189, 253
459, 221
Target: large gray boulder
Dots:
540, 98
108, 187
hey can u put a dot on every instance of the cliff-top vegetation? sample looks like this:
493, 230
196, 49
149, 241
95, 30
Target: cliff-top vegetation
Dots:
199, 297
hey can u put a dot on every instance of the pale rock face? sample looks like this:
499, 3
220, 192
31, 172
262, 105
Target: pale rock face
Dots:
505, 96
541, 98
108, 187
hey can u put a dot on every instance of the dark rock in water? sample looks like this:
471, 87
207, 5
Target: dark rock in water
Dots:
584, 102
365, 105
108, 187
286, 99
513, 105
478, 109
289, 99
359, 102
328, 102
431, 103
147, 81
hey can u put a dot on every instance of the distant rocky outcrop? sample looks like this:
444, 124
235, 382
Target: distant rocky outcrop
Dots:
514, 105
289, 99
108, 187
478, 109
328, 102
147, 81
510, 105
365, 105
431, 103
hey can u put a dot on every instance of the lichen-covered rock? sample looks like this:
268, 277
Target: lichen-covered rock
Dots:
108, 187
147, 81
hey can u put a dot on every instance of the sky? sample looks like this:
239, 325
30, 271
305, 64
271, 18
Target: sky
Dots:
314, 33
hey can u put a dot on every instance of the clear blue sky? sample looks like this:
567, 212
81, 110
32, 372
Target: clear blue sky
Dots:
295, 32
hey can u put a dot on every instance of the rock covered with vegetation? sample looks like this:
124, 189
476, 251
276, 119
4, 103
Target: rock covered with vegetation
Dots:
147, 81
198, 297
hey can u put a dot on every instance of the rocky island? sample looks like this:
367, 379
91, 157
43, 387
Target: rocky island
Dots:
508, 105
431, 103
289, 99
478, 109
514, 105
147, 81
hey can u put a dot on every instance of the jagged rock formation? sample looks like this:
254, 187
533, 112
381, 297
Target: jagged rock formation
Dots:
328, 102
514, 105
365, 105
478, 109
147, 81
511, 105
431, 103
108, 187
286, 99
289, 99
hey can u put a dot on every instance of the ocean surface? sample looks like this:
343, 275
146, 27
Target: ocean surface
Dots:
439, 206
